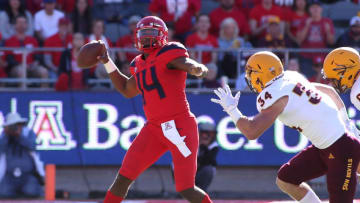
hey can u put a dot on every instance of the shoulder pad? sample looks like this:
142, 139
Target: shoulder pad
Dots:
271, 94
171, 46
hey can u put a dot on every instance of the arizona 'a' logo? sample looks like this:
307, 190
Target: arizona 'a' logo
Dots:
46, 121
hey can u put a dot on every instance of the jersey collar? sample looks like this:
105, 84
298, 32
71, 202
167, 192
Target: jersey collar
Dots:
273, 80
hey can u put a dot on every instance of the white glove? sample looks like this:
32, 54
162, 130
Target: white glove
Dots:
228, 102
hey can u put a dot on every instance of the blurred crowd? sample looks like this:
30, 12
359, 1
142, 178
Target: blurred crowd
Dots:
233, 24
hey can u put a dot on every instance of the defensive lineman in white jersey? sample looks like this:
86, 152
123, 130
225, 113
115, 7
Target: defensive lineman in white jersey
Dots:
298, 103
342, 68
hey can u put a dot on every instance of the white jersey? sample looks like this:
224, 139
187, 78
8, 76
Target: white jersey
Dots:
308, 110
355, 94
355, 100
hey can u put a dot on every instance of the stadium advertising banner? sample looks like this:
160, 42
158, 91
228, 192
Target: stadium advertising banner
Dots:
96, 128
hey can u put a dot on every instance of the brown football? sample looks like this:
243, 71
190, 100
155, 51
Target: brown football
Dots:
89, 52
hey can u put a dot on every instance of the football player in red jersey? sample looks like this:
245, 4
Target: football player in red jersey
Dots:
159, 75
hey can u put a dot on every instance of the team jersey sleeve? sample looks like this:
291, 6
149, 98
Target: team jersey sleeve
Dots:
269, 96
355, 94
172, 51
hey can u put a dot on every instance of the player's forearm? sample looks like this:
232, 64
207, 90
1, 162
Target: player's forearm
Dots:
195, 68
189, 65
246, 125
250, 127
118, 79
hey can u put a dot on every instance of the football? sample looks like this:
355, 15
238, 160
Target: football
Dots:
88, 54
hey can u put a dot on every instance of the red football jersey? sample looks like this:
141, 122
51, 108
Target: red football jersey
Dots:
162, 89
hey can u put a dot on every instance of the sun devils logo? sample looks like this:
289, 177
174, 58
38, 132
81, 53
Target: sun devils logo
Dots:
46, 121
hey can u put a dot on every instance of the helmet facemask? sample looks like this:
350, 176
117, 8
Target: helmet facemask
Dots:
149, 38
337, 83
249, 77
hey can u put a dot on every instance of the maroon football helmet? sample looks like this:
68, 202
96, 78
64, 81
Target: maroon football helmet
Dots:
151, 33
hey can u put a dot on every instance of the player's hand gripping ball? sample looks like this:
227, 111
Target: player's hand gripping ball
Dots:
89, 54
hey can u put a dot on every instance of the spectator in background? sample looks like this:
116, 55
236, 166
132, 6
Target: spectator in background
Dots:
70, 75
21, 171
61, 39
295, 17
98, 34
81, 17
274, 37
7, 18
317, 67
351, 38
229, 39
46, 20
178, 12
14, 58
210, 81
284, 3
171, 33
68, 6
241, 84
201, 38
206, 160
34, 5
246, 5
98, 29
315, 32
293, 65
227, 9
127, 41
259, 18
3, 62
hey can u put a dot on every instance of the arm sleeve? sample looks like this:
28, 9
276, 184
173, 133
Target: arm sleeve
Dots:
172, 51
269, 96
